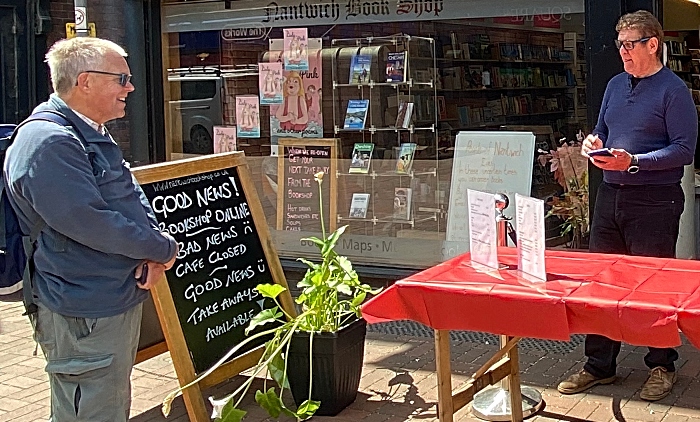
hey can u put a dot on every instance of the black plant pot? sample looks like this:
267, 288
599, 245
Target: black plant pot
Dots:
337, 367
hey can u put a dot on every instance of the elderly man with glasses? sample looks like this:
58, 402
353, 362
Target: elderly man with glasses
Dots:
648, 126
98, 248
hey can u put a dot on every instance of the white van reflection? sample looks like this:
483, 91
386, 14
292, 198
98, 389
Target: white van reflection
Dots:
198, 102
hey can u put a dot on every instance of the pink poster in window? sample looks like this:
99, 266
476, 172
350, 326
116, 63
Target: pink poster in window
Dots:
299, 115
296, 49
247, 116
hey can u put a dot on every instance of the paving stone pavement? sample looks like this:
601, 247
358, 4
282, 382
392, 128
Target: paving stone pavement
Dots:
398, 382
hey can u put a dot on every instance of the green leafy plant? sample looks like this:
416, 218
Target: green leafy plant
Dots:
331, 295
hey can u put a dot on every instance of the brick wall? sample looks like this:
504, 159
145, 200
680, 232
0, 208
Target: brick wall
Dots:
109, 21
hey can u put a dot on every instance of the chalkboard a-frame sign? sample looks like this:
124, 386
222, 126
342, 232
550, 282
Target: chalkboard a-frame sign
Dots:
210, 206
298, 206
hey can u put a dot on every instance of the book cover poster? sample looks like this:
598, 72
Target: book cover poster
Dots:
299, 115
356, 114
361, 157
360, 69
359, 205
396, 67
402, 203
296, 49
270, 83
404, 161
403, 118
224, 139
247, 116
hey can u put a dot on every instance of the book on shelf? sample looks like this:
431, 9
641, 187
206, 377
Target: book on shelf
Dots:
695, 66
396, 67
356, 114
695, 79
361, 157
359, 205
403, 118
696, 96
360, 67
402, 203
442, 107
474, 76
404, 159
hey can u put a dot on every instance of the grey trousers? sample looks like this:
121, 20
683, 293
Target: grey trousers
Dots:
89, 362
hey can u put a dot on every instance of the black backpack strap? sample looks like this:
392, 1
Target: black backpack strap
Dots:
29, 242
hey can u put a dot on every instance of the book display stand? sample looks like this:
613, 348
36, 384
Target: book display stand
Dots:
389, 83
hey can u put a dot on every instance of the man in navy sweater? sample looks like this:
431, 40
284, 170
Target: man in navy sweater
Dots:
649, 124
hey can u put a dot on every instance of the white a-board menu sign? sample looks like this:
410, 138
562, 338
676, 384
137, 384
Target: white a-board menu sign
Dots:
493, 162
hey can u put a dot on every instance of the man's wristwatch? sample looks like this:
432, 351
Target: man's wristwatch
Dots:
634, 165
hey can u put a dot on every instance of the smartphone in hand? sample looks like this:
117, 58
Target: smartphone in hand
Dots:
603, 152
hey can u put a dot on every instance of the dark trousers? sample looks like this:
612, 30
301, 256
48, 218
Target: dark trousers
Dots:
633, 220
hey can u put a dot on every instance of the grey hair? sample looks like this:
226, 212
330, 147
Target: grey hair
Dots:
68, 58
647, 25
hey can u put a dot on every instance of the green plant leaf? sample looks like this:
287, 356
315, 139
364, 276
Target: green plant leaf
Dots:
287, 412
230, 413
307, 409
345, 264
263, 317
357, 300
332, 240
269, 401
270, 290
315, 240
276, 368
344, 289
311, 265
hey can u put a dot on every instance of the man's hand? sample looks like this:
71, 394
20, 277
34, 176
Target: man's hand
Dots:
620, 161
589, 144
148, 274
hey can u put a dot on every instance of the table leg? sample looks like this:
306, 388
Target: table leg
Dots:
444, 375
516, 398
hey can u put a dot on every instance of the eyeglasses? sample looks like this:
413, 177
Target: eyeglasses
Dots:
629, 45
123, 77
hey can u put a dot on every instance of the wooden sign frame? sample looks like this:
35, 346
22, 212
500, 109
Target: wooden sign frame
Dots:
330, 178
163, 299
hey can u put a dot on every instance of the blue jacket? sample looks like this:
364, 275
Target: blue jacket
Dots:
99, 227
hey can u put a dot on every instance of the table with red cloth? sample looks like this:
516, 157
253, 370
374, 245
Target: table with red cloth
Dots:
638, 300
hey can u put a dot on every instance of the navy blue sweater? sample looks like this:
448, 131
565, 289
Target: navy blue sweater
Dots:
656, 120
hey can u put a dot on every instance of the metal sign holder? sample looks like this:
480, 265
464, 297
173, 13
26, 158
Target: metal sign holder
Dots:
493, 403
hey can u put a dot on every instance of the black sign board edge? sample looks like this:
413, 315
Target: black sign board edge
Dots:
330, 178
162, 297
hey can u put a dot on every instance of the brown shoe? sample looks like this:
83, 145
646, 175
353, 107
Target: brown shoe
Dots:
658, 385
581, 381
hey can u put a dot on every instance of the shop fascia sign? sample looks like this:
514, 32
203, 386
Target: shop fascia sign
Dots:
251, 19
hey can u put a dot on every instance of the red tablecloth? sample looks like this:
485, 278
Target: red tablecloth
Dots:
638, 300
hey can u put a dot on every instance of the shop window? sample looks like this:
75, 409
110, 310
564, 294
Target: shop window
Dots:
494, 73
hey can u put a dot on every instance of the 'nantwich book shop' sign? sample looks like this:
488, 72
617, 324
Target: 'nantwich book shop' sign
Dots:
201, 16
